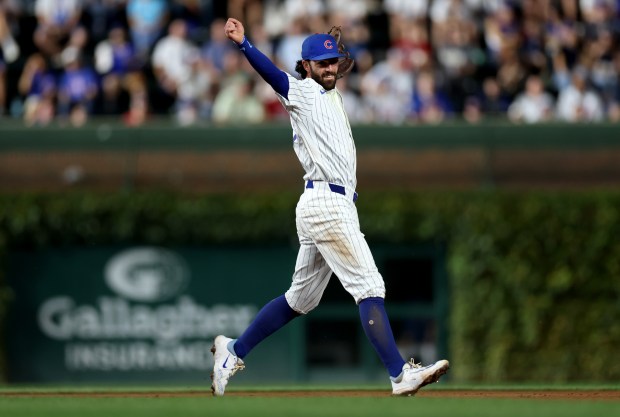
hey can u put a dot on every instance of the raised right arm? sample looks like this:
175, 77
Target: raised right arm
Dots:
275, 77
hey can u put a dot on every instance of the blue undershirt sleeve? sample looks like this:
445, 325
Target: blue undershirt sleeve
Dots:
274, 76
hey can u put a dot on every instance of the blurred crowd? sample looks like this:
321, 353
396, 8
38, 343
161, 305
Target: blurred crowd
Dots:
417, 61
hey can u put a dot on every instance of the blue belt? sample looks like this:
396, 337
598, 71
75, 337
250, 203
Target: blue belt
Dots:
334, 187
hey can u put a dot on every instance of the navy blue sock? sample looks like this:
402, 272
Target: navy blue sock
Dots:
274, 315
377, 327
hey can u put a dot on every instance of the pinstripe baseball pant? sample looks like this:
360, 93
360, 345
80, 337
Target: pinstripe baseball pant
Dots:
331, 241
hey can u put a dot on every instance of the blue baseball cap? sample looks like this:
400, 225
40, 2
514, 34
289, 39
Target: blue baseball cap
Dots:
320, 46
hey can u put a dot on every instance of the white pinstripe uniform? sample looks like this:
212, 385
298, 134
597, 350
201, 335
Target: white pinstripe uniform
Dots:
326, 216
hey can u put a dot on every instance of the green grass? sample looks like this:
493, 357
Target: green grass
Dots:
275, 407
207, 406
441, 386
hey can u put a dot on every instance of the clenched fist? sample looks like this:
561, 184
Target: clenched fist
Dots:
234, 30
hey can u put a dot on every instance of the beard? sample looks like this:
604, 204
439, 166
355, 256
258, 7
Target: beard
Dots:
327, 84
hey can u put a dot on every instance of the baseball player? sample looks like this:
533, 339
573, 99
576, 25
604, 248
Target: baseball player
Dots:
326, 218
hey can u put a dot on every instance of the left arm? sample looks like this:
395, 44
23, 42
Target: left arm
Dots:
275, 77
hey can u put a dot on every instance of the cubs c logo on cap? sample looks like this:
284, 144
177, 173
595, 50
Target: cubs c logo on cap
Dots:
320, 46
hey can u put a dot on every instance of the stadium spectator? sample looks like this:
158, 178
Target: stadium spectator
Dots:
272, 106
195, 94
613, 107
173, 58
561, 74
103, 15
406, 9
570, 8
147, 22
304, 9
384, 107
459, 57
356, 108
237, 104
9, 52
472, 110
287, 51
249, 11
346, 11
198, 14
578, 103
121, 71
481, 52
57, 19
429, 104
456, 19
77, 88
260, 39
412, 39
37, 85
2, 87
274, 18
533, 105
599, 61
511, 73
501, 32
598, 14
357, 35
561, 37
493, 103
215, 49
9, 49
532, 46
390, 78
443, 12
274, 111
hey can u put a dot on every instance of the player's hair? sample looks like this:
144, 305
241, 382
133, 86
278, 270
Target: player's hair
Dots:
299, 67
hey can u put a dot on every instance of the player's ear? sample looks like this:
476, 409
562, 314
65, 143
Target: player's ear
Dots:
306, 65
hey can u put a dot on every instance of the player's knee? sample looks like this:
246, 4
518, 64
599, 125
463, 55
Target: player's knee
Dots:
304, 308
300, 305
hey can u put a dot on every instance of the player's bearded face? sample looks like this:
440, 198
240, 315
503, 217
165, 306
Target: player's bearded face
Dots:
324, 72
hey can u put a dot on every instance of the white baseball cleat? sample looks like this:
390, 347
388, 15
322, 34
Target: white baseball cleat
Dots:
225, 365
415, 376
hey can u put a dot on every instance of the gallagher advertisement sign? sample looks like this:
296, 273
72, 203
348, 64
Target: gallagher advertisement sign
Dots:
130, 313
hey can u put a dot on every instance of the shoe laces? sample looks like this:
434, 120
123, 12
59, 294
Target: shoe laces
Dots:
414, 365
239, 366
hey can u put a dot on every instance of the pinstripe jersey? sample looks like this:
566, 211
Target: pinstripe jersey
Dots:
322, 134
327, 222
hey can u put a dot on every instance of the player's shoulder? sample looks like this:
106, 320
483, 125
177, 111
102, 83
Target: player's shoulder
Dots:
307, 85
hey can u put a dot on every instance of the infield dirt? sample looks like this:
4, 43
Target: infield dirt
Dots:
602, 395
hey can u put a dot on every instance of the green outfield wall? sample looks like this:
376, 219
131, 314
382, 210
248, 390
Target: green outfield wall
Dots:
498, 244
142, 313
112, 136
110, 157
531, 288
